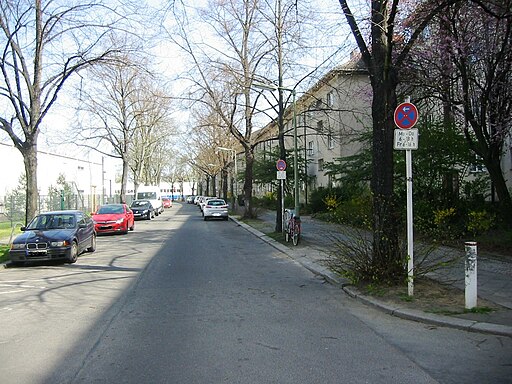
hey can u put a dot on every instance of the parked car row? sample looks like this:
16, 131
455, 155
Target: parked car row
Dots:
212, 207
64, 235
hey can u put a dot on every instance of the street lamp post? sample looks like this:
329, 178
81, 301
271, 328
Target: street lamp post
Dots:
235, 194
273, 87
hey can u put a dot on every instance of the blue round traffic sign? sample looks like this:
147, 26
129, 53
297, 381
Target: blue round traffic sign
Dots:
406, 115
281, 165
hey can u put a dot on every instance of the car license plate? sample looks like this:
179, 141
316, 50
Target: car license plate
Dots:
216, 214
38, 252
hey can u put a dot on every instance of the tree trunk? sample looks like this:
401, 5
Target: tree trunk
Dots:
224, 178
124, 181
282, 156
249, 163
501, 190
30, 160
387, 260
214, 186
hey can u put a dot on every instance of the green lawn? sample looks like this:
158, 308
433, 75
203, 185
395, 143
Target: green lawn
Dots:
4, 253
5, 233
5, 230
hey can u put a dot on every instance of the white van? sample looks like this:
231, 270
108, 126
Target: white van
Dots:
151, 193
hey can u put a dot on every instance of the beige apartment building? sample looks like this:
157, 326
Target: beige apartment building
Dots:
331, 116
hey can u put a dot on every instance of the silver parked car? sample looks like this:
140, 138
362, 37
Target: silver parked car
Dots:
215, 208
204, 200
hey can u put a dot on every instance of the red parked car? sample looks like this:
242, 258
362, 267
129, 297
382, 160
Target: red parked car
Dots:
166, 202
113, 218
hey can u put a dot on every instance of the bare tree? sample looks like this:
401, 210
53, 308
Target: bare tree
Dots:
153, 137
223, 71
43, 46
207, 137
110, 113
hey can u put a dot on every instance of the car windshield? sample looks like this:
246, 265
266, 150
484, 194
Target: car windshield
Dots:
53, 221
107, 209
147, 195
216, 203
140, 204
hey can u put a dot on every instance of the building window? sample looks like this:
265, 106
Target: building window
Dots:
477, 166
330, 99
330, 141
320, 164
310, 148
320, 126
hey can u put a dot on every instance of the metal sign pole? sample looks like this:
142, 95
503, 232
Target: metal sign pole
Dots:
282, 206
410, 241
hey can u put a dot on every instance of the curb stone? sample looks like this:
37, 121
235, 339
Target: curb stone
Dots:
397, 311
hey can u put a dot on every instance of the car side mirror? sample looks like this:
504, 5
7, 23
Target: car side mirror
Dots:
23, 229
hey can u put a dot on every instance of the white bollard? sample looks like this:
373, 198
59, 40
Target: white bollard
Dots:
471, 275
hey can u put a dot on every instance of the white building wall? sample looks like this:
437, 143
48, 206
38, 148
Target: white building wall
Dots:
85, 174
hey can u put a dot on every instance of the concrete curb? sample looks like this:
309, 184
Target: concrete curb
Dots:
404, 313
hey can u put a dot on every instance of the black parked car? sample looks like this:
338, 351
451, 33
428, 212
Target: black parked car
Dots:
59, 235
142, 209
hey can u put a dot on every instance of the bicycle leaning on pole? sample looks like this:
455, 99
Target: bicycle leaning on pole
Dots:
292, 226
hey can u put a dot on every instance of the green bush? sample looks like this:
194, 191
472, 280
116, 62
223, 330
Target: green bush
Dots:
355, 212
4, 253
321, 200
268, 201
479, 222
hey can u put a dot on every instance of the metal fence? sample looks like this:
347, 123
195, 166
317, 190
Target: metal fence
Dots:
12, 208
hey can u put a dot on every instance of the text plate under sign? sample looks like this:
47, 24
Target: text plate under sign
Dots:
406, 139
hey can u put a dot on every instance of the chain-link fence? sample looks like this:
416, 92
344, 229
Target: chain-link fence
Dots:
12, 208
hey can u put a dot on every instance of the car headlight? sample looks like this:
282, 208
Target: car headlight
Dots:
59, 243
120, 221
17, 246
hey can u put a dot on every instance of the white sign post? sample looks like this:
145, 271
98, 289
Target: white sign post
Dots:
281, 175
406, 116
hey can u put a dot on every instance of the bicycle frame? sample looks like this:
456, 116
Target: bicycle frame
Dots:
292, 227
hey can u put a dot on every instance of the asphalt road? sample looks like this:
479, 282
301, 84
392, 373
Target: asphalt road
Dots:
180, 300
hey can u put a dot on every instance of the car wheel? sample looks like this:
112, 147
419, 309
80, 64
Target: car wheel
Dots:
133, 226
73, 253
92, 248
148, 216
226, 218
205, 218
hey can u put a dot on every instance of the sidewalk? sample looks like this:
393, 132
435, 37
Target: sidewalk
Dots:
494, 277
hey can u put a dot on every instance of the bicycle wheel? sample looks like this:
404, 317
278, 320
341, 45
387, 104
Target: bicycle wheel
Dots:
287, 234
296, 234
